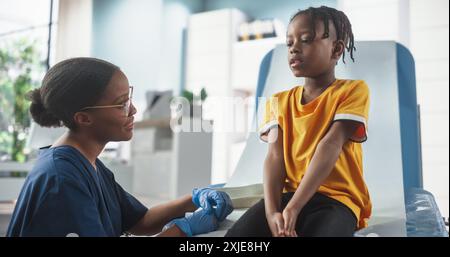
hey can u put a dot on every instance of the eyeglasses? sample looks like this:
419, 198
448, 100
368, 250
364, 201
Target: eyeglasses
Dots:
125, 106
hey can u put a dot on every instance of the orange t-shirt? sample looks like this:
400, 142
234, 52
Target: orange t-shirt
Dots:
304, 126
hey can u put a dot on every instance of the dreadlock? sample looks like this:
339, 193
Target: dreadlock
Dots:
340, 21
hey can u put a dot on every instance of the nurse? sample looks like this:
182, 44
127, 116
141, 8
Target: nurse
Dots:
70, 191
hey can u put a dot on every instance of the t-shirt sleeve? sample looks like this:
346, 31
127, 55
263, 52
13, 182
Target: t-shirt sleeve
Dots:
270, 119
132, 210
355, 106
68, 209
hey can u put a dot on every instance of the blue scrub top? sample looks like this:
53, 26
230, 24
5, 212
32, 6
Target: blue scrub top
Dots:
64, 194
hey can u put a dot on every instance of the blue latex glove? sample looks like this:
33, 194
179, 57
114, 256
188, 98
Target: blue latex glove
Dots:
195, 223
213, 201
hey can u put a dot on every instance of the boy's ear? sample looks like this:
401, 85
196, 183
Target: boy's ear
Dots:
338, 49
82, 119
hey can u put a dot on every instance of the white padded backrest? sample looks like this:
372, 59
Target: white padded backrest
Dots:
375, 62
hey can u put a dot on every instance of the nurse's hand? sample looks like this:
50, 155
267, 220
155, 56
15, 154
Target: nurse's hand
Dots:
213, 201
192, 224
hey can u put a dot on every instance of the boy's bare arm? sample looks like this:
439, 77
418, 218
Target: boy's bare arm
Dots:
274, 172
323, 161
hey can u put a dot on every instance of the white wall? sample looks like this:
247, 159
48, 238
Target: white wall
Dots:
377, 19
128, 34
422, 26
429, 42
144, 38
175, 19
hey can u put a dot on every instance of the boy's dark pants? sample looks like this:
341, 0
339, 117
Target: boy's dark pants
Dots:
322, 216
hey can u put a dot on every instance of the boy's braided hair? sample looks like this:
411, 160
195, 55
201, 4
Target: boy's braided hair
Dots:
340, 21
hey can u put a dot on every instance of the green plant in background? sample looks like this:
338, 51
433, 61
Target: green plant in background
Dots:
203, 94
20, 68
191, 97
188, 95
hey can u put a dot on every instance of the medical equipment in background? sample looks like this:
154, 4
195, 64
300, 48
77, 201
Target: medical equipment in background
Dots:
392, 157
157, 104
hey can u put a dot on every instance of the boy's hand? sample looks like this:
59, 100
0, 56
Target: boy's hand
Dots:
276, 224
290, 218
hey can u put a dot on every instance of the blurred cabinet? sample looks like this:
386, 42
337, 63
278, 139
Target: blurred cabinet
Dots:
167, 164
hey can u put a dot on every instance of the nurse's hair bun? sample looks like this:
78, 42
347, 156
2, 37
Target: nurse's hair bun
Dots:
67, 88
40, 114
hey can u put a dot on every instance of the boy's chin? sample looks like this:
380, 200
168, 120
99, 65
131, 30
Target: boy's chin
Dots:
298, 74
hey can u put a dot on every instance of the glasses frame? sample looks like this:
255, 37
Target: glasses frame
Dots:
127, 105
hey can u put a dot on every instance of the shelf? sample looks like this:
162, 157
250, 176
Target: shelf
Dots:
264, 41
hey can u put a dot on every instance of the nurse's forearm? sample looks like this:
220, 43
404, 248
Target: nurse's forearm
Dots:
158, 216
173, 231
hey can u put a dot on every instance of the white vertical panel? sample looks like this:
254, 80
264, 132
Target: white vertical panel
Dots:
429, 45
74, 29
